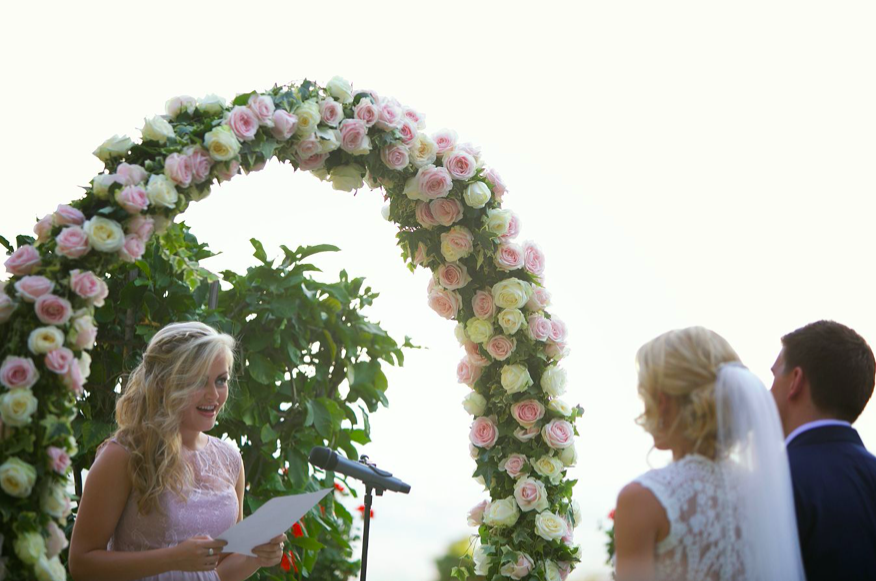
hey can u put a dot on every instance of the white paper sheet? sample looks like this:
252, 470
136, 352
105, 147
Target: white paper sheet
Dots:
271, 519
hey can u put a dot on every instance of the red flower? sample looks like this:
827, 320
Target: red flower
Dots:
338, 487
322, 510
361, 509
611, 514
288, 562
297, 530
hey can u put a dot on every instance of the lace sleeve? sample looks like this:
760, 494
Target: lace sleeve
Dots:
661, 487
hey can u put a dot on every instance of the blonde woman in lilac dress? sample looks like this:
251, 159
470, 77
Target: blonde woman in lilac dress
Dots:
161, 489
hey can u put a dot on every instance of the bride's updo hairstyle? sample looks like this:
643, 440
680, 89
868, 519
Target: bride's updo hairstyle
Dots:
683, 364
175, 365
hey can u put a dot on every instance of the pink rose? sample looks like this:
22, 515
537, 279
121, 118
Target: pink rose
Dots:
558, 434
30, 288
59, 360
59, 461
569, 537
395, 156
285, 124
243, 123
262, 107
313, 162
89, 287
434, 182
130, 174
526, 434
513, 228
556, 350
483, 306
133, 199
331, 111
229, 169
445, 140
56, 542
25, 259
533, 258
476, 514
200, 162
458, 243
83, 333
509, 256
513, 465
530, 494
473, 352
421, 256
471, 149
539, 300
453, 276
18, 373
43, 229
367, 111
179, 169
424, 215
73, 242
468, 373
460, 164
408, 131
7, 306
390, 115
558, 331
53, 310
444, 302
517, 569
484, 432
565, 567
527, 412
418, 119
308, 147
68, 216
132, 249
73, 379
141, 226
539, 327
354, 135
498, 186
500, 347
446, 211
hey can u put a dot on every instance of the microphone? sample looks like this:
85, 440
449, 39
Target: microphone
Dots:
371, 475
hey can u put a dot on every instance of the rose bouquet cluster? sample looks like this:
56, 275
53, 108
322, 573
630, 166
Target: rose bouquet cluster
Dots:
447, 206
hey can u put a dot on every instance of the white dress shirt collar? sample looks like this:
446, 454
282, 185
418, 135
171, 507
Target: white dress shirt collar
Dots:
812, 426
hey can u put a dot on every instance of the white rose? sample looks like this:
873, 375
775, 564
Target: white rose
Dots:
511, 293
54, 502
551, 571
101, 183
384, 211
515, 378
477, 195
478, 330
161, 191
308, 118
510, 320
17, 477
222, 143
29, 547
459, 332
347, 177
104, 234
549, 467
329, 139
576, 513
50, 569
550, 526
423, 150
502, 513
498, 221
340, 89
559, 406
412, 190
569, 456
85, 365
553, 381
17, 407
211, 104
481, 560
475, 404
45, 339
72, 447
539, 502
173, 107
115, 146
157, 129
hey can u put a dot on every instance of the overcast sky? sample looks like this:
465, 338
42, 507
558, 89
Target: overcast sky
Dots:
679, 162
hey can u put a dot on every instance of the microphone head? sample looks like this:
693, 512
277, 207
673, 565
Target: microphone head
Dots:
323, 457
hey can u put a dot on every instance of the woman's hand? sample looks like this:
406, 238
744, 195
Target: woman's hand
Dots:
271, 553
197, 554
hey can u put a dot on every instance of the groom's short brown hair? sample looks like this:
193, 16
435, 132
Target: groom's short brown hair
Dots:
838, 363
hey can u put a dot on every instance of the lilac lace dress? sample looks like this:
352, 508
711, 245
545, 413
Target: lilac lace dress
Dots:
210, 509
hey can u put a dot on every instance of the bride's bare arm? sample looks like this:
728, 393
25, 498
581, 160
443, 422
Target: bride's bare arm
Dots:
639, 524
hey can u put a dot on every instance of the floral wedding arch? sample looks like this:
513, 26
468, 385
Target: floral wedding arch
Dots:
448, 208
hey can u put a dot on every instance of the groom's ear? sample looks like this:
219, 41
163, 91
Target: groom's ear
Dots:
798, 384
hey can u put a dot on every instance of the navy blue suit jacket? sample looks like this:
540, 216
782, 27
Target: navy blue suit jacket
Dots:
834, 479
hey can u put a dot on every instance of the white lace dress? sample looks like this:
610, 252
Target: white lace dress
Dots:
705, 541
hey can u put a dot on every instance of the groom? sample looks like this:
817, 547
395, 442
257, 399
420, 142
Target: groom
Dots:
823, 378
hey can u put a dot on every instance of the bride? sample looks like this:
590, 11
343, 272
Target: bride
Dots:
724, 508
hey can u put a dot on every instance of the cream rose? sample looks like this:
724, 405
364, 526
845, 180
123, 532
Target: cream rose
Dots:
176, 105
569, 456
475, 404
45, 339
531, 494
510, 320
423, 151
17, 477
222, 144
502, 513
497, 221
340, 89
115, 146
549, 526
161, 192
553, 381
515, 378
552, 572
211, 104
549, 467
308, 118
157, 129
559, 406
511, 293
49, 569
478, 330
476, 195
482, 560
347, 177
101, 183
29, 547
55, 502
17, 407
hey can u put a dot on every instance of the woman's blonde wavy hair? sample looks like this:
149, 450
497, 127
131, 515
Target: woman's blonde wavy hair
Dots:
176, 363
683, 364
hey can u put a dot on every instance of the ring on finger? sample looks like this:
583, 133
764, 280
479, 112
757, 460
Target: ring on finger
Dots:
210, 552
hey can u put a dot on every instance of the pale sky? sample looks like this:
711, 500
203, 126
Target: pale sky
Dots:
680, 163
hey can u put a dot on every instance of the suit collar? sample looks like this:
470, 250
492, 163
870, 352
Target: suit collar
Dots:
827, 435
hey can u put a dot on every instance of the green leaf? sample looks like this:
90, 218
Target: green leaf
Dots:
305, 251
306, 543
259, 253
268, 434
322, 419
460, 573
5, 243
260, 368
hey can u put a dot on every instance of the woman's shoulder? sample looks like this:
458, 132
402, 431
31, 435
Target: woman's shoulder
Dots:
227, 451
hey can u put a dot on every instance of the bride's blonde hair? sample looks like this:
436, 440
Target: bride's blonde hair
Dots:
683, 364
176, 363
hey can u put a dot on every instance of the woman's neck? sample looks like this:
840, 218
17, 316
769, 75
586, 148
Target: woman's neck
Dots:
681, 449
193, 440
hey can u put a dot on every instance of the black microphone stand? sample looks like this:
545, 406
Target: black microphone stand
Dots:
368, 498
